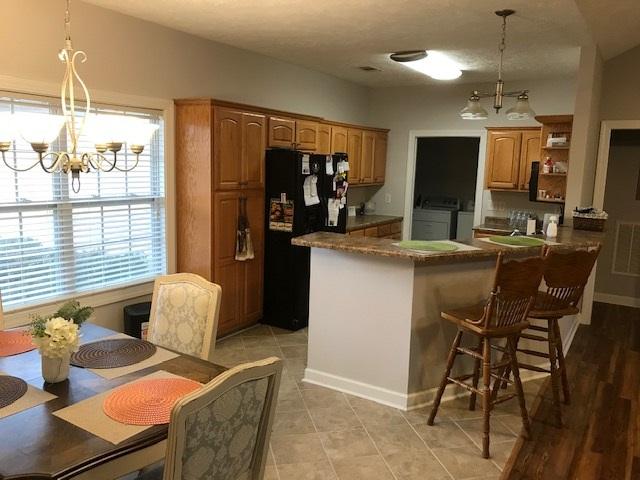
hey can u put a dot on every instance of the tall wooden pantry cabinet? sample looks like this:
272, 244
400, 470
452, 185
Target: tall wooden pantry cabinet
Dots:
220, 152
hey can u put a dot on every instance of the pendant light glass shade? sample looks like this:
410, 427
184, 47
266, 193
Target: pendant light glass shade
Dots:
39, 128
139, 132
521, 110
473, 110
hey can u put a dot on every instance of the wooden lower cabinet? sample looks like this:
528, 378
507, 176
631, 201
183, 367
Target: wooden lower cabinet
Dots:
386, 230
241, 282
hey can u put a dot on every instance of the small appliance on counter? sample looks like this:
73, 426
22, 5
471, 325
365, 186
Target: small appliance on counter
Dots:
305, 193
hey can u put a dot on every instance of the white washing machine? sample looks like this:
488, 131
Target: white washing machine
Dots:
437, 220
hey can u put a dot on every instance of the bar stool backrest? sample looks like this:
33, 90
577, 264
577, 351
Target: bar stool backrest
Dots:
566, 273
514, 290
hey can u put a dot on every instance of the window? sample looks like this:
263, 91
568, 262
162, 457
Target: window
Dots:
55, 243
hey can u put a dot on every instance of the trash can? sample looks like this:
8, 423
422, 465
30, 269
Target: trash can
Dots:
136, 319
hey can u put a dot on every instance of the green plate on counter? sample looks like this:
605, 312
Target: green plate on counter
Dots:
517, 241
428, 246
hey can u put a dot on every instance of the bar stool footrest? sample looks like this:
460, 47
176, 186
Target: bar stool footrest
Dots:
461, 383
526, 366
534, 353
537, 338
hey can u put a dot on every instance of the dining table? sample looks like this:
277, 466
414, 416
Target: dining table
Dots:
36, 444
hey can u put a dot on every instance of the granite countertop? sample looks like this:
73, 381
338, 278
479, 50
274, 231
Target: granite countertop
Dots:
365, 221
384, 247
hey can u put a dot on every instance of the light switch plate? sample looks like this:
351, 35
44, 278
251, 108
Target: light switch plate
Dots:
387, 198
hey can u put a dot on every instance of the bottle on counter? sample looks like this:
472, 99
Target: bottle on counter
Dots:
552, 228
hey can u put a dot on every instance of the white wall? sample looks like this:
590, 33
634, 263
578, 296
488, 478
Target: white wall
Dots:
585, 131
436, 108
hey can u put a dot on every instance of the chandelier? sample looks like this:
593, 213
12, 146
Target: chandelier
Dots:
108, 133
521, 110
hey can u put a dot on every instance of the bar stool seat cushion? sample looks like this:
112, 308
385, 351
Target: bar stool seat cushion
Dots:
468, 316
543, 307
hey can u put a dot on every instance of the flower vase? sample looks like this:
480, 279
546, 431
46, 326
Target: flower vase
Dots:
55, 369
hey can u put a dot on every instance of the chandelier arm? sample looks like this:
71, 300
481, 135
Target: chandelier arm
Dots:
57, 157
96, 160
130, 168
513, 93
15, 169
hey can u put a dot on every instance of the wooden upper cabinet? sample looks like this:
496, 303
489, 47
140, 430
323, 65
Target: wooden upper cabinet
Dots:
338, 139
323, 145
253, 149
380, 157
368, 153
227, 146
529, 153
503, 159
354, 155
306, 135
282, 132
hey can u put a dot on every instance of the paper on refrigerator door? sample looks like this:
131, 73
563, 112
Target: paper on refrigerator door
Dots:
310, 189
333, 207
306, 169
329, 165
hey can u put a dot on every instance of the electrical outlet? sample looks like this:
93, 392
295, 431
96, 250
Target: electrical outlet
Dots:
387, 198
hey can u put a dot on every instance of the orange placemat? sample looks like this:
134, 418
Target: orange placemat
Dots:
147, 402
13, 342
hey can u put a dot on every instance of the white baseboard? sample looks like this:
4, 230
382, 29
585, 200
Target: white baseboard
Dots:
617, 299
390, 398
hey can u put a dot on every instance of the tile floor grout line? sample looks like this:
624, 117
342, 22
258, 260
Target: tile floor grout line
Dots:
275, 465
430, 449
371, 438
324, 450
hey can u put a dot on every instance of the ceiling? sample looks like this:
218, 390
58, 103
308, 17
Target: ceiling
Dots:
614, 25
338, 36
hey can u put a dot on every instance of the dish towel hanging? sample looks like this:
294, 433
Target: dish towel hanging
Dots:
244, 245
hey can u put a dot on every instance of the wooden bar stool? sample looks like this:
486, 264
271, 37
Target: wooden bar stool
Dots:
503, 315
565, 275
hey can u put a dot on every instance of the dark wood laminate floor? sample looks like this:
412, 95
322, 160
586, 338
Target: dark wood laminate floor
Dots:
601, 436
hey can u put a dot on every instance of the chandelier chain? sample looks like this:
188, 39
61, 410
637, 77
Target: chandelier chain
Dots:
67, 21
503, 45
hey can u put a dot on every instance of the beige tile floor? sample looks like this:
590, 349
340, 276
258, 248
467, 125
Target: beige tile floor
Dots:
322, 434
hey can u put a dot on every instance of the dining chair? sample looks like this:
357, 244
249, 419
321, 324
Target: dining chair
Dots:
502, 316
184, 314
222, 431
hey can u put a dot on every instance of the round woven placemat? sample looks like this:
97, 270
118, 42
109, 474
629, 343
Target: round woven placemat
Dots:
147, 402
116, 352
11, 389
14, 342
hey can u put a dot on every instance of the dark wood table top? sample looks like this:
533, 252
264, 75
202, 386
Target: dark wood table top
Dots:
36, 444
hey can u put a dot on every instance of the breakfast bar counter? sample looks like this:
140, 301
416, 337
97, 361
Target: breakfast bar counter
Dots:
374, 310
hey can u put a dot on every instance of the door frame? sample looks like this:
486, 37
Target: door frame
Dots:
600, 185
411, 171
607, 126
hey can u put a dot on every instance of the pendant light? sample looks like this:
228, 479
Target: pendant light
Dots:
522, 110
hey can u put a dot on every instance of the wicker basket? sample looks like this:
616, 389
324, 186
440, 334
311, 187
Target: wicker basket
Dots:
589, 223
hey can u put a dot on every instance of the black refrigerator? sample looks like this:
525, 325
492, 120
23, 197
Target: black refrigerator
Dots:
289, 175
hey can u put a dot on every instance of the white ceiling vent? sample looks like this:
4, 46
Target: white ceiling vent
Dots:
626, 254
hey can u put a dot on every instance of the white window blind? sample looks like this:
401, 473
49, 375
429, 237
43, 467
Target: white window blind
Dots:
55, 243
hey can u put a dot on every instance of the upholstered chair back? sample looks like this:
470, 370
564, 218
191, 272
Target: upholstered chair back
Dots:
184, 314
222, 431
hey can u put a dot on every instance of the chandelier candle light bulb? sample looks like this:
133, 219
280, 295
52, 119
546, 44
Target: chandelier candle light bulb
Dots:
107, 132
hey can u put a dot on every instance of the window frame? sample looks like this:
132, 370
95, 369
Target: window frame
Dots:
139, 289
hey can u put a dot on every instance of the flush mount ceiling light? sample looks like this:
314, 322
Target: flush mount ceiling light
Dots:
107, 132
434, 64
521, 110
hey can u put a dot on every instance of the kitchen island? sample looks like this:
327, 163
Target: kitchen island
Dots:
374, 310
